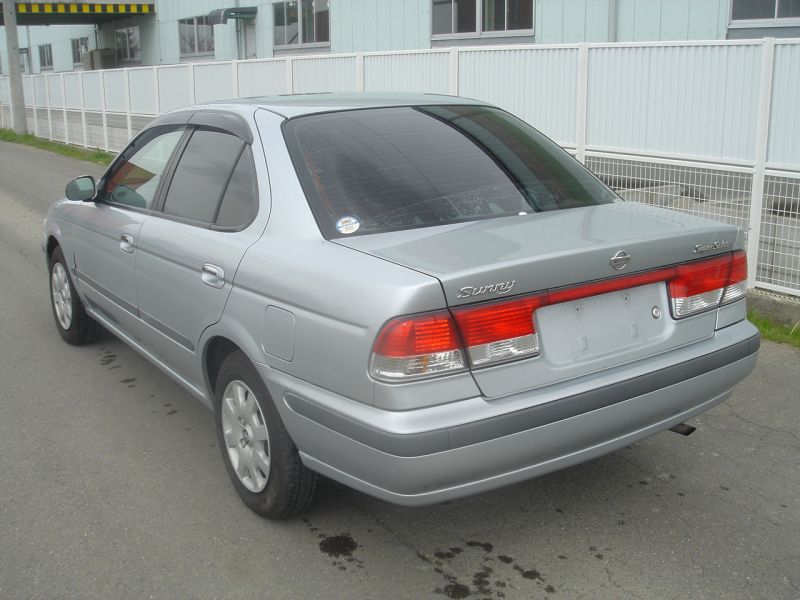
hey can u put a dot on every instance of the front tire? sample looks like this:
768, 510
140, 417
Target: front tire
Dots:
74, 324
259, 455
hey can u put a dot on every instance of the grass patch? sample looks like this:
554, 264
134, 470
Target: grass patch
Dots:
775, 331
96, 156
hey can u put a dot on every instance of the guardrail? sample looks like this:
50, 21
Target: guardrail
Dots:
704, 127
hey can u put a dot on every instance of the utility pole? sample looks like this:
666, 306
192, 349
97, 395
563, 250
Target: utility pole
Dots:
15, 76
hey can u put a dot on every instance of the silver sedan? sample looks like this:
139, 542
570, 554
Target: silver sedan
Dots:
421, 297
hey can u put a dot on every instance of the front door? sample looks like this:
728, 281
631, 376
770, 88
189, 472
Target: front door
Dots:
107, 230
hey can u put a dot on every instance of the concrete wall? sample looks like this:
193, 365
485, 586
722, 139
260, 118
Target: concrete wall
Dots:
376, 25
671, 20
59, 37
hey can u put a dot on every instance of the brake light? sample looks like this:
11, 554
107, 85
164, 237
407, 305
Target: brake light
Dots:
705, 284
500, 331
417, 346
489, 333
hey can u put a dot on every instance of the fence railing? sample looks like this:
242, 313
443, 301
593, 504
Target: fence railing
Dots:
710, 128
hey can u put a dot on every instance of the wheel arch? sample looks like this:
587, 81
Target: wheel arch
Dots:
52, 244
216, 349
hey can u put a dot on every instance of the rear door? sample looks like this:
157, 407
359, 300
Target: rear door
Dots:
189, 251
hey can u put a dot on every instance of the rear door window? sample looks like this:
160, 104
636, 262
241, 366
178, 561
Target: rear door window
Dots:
385, 169
240, 202
202, 175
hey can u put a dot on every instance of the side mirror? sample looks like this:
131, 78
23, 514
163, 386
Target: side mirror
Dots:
81, 189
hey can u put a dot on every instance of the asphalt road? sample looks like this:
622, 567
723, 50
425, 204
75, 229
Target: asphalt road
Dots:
112, 486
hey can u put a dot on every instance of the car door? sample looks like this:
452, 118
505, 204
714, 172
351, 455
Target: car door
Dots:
189, 251
107, 229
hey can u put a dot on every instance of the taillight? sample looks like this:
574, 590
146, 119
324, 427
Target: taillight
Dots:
417, 346
499, 331
439, 343
737, 282
705, 284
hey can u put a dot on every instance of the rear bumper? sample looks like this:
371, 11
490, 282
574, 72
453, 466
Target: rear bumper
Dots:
443, 452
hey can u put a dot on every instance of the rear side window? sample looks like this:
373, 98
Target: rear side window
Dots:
385, 169
240, 202
202, 174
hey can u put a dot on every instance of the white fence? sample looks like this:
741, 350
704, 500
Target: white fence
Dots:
710, 128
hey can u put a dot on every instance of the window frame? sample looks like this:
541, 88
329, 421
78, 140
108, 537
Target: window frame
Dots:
144, 136
45, 51
127, 60
160, 199
181, 122
479, 31
774, 21
79, 47
300, 43
214, 226
323, 221
197, 52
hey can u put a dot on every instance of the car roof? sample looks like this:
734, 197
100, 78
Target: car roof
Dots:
292, 105
230, 115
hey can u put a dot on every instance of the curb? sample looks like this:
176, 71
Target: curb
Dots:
782, 309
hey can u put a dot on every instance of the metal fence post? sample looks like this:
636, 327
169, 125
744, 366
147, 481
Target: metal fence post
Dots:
581, 100
289, 75
103, 99
128, 103
64, 109
49, 118
83, 111
453, 72
192, 91
156, 90
760, 158
35, 113
359, 72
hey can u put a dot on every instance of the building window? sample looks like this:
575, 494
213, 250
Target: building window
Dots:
454, 16
79, 46
197, 36
46, 56
748, 10
128, 44
302, 22
451, 17
24, 60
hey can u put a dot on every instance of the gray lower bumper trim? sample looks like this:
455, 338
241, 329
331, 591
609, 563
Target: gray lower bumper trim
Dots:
440, 440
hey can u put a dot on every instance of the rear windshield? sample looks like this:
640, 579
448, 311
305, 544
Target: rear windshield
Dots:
386, 169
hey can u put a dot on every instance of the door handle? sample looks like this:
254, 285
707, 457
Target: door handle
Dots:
213, 275
126, 243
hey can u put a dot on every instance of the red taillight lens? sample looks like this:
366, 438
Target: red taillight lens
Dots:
700, 277
416, 335
416, 347
498, 320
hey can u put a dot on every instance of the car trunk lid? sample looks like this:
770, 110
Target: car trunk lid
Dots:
506, 257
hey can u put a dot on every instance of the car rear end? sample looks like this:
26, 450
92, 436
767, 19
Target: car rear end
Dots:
570, 323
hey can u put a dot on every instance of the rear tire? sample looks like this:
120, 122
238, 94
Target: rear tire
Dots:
260, 457
74, 324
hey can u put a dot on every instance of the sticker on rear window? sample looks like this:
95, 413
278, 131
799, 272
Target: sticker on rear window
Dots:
348, 225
